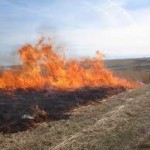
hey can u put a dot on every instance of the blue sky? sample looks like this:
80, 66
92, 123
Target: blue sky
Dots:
118, 28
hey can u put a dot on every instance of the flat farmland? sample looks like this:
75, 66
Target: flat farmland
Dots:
137, 69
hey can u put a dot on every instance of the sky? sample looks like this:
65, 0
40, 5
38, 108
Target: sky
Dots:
117, 28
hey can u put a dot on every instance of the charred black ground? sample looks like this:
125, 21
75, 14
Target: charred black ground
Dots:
21, 110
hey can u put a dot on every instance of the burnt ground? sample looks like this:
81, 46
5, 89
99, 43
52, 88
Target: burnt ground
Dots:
21, 110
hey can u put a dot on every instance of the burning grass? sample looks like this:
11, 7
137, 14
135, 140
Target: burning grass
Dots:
43, 67
48, 86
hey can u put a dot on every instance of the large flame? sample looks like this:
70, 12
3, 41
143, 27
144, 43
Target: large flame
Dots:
42, 67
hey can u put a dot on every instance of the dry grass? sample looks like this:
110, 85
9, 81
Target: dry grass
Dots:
121, 122
117, 123
138, 76
131, 69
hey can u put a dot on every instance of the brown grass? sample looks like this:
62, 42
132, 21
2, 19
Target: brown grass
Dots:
120, 122
132, 69
138, 76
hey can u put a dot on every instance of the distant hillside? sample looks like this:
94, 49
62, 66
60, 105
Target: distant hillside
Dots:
127, 64
137, 69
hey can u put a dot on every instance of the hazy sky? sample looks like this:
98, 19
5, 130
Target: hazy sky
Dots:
118, 28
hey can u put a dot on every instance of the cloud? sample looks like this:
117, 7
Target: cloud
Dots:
131, 41
112, 12
85, 26
127, 35
25, 6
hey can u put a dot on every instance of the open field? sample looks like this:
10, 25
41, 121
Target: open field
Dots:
118, 123
137, 69
91, 119
136, 64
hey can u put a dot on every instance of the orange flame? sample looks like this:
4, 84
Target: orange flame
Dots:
43, 67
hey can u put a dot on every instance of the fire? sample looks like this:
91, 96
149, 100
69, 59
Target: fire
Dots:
43, 67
